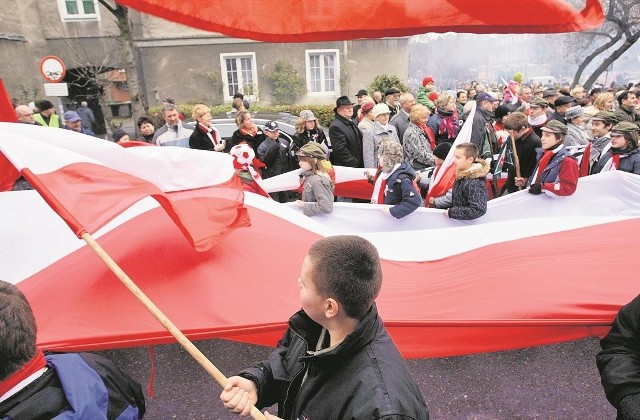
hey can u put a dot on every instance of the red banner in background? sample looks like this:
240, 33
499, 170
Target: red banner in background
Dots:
333, 20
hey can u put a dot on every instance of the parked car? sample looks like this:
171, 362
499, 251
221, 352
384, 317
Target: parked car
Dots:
226, 126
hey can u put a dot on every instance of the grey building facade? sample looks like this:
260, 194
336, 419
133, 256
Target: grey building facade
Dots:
178, 61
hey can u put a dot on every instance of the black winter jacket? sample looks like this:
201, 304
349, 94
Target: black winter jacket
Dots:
346, 143
300, 139
200, 140
363, 377
253, 141
469, 196
275, 156
483, 135
527, 156
619, 360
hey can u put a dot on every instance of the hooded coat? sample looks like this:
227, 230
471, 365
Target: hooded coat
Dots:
469, 196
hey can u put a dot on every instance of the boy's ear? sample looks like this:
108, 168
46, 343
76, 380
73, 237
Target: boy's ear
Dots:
331, 308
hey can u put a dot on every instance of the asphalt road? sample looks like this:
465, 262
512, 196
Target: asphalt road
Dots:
553, 382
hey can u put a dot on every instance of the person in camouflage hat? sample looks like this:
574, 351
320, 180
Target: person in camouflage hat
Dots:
601, 124
556, 172
623, 154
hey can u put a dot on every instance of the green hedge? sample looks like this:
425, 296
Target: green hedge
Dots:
324, 113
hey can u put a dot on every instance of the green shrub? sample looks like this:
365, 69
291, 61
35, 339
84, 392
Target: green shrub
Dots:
286, 84
383, 82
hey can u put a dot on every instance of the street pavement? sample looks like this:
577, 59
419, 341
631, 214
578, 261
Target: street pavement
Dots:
553, 382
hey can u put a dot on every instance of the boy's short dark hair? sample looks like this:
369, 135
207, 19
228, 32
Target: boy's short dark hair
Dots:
17, 330
469, 149
347, 268
516, 121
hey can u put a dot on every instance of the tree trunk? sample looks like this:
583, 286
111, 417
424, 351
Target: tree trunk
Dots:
628, 43
588, 59
126, 38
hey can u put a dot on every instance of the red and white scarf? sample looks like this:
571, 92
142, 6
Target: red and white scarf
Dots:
211, 132
35, 367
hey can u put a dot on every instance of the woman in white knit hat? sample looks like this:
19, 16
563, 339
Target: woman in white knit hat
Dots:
381, 130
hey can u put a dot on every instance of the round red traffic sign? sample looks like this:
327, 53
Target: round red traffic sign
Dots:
52, 69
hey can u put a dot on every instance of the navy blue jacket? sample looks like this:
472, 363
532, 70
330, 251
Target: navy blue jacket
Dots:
401, 193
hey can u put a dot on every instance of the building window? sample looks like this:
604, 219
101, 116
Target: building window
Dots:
323, 72
79, 10
239, 75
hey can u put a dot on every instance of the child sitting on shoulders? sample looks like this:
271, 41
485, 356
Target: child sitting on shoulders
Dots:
395, 181
469, 196
317, 186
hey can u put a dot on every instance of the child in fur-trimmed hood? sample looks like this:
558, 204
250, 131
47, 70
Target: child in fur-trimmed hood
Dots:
469, 196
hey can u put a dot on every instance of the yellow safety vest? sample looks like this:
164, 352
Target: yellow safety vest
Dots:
54, 121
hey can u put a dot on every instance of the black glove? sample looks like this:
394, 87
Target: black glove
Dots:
629, 407
535, 189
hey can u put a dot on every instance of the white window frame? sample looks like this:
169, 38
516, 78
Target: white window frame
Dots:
307, 58
254, 74
66, 17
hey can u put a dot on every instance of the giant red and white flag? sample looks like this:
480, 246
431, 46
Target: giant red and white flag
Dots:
89, 181
329, 20
534, 270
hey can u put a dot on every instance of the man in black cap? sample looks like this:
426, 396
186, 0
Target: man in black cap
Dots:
392, 99
47, 116
550, 95
360, 96
562, 104
483, 135
556, 172
346, 139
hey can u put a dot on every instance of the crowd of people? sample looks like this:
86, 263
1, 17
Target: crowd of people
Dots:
536, 137
337, 349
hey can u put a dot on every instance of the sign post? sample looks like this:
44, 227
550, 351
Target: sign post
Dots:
53, 70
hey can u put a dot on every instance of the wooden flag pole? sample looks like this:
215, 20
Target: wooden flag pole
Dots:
516, 161
162, 318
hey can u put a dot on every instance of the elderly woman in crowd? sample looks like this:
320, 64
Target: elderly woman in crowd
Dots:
205, 136
381, 130
445, 121
307, 130
247, 132
147, 129
366, 123
417, 145
577, 134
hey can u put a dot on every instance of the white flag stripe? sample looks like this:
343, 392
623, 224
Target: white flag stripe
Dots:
464, 136
44, 150
291, 180
425, 235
